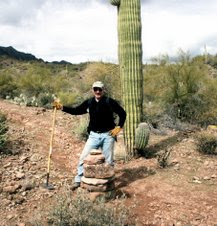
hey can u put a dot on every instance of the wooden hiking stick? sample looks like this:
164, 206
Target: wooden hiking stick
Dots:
50, 150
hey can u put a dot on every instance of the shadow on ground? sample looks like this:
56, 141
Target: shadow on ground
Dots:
152, 150
130, 175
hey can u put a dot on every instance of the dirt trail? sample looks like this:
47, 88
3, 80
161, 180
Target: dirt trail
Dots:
185, 193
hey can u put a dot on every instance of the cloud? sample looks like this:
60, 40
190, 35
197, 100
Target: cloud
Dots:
59, 31
81, 30
16, 12
167, 28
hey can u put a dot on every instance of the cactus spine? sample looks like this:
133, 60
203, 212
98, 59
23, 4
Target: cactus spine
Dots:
142, 136
130, 61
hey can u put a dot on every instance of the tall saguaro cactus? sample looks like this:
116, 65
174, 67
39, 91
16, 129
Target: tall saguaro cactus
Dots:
130, 61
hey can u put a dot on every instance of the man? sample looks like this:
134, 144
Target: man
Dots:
102, 128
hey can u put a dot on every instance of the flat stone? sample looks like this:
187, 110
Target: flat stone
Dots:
95, 181
99, 188
20, 175
100, 171
94, 159
28, 185
11, 189
95, 152
94, 196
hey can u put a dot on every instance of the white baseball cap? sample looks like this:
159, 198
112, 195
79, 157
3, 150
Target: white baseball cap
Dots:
98, 84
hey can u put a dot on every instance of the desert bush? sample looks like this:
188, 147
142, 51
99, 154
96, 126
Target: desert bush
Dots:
81, 129
32, 84
7, 85
3, 131
207, 143
68, 98
45, 100
25, 100
163, 157
184, 89
108, 74
79, 210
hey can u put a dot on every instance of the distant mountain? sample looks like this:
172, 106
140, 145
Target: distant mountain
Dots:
13, 53
61, 62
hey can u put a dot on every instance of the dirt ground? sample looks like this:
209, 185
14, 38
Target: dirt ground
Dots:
184, 193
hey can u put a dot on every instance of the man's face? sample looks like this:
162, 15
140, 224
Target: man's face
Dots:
98, 92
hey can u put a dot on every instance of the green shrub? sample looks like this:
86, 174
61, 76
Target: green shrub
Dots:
207, 143
163, 158
3, 131
105, 72
7, 86
81, 211
32, 84
81, 129
184, 89
67, 98
45, 100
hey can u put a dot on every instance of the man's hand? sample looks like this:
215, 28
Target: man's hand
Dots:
115, 131
56, 104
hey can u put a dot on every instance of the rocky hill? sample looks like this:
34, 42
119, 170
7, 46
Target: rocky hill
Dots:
11, 52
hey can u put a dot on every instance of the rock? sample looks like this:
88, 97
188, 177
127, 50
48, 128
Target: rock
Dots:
24, 159
120, 152
7, 165
20, 175
99, 171
95, 181
21, 224
196, 178
28, 185
100, 187
93, 196
19, 199
35, 158
9, 216
94, 159
95, 152
11, 189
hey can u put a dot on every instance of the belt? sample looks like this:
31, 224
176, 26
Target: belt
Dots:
100, 131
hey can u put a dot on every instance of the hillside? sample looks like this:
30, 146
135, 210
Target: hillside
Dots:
182, 194
11, 52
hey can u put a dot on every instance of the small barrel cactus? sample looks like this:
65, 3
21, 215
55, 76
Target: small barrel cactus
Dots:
142, 136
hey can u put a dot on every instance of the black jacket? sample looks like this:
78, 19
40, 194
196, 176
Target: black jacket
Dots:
101, 113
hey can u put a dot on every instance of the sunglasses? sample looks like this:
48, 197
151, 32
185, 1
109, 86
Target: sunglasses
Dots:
95, 89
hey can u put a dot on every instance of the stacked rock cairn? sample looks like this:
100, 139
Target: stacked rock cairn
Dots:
98, 175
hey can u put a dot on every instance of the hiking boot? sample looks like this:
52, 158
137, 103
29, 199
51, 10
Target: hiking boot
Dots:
75, 186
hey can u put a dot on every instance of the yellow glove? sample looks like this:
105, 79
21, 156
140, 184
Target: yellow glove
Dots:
115, 131
56, 104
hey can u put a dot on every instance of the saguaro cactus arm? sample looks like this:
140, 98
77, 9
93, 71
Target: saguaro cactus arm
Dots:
115, 2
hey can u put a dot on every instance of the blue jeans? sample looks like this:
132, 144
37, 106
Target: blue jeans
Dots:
95, 141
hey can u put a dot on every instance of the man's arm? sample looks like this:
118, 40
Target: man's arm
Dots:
119, 111
79, 110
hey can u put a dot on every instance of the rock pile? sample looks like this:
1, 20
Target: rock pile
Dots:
98, 175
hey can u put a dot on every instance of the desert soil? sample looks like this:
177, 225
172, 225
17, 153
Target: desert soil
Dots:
184, 193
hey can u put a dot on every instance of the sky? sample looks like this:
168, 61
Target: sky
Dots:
86, 30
